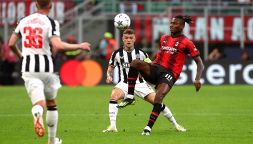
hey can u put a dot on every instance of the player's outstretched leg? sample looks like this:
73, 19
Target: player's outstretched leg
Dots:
132, 77
113, 111
167, 113
152, 118
37, 112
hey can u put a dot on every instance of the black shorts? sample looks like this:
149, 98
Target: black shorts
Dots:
159, 74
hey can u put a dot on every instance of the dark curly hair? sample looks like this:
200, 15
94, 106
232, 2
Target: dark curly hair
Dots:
184, 19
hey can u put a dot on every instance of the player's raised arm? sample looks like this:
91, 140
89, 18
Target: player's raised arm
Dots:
58, 44
200, 68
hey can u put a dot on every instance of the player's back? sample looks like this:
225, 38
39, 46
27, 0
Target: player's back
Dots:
36, 31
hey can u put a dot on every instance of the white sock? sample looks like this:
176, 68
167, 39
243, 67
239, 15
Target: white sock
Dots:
113, 111
129, 96
37, 109
52, 121
167, 113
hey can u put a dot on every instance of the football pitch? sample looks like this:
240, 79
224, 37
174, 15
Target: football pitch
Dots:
215, 115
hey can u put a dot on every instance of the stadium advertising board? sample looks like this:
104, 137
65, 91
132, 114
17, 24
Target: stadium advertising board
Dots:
219, 29
215, 73
14, 10
214, 28
223, 72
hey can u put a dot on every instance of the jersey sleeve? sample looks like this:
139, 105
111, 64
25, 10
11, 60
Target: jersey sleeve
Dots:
17, 29
54, 30
193, 51
112, 60
143, 54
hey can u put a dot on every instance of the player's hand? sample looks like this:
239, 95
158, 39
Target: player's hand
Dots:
85, 46
109, 79
197, 85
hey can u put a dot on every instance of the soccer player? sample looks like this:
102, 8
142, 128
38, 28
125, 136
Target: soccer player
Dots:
122, 59
166, 68
40, 37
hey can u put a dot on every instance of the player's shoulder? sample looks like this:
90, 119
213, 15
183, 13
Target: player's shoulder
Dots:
116, 52
35, 17
166, 36
141, 52
52, 20
186, 40
22, 19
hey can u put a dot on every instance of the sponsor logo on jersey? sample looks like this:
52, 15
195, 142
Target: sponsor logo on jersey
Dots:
168, 49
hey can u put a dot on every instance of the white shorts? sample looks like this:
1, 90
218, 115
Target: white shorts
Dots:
41, 86
141, 89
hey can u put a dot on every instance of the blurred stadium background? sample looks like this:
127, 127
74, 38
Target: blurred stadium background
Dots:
222, 31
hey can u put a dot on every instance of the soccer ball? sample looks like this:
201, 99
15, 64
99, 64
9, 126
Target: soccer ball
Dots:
122, 21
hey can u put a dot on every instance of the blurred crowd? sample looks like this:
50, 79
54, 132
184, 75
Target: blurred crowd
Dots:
10, 65
230, 53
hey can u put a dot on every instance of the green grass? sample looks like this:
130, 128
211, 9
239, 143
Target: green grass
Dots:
215, 115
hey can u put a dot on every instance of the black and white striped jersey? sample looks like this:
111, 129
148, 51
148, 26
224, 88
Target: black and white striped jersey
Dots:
122, 59
36, 31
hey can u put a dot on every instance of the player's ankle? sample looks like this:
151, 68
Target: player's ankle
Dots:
130, 96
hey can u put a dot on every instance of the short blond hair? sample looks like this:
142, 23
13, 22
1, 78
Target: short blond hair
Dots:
44, 3
129, 31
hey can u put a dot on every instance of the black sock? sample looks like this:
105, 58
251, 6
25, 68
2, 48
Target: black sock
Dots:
52, 108
132, 77
154, 114
113, 102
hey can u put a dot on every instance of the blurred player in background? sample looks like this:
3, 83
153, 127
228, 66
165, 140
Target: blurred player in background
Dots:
38, 31
107, 45
122, 59
166, 68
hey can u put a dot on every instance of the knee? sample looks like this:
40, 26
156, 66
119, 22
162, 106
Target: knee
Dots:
114, 98
161, 93
159, 96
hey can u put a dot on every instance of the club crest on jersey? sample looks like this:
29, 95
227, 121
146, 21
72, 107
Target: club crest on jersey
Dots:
177, 43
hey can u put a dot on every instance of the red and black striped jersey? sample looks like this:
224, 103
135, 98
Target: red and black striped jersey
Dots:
173, 51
